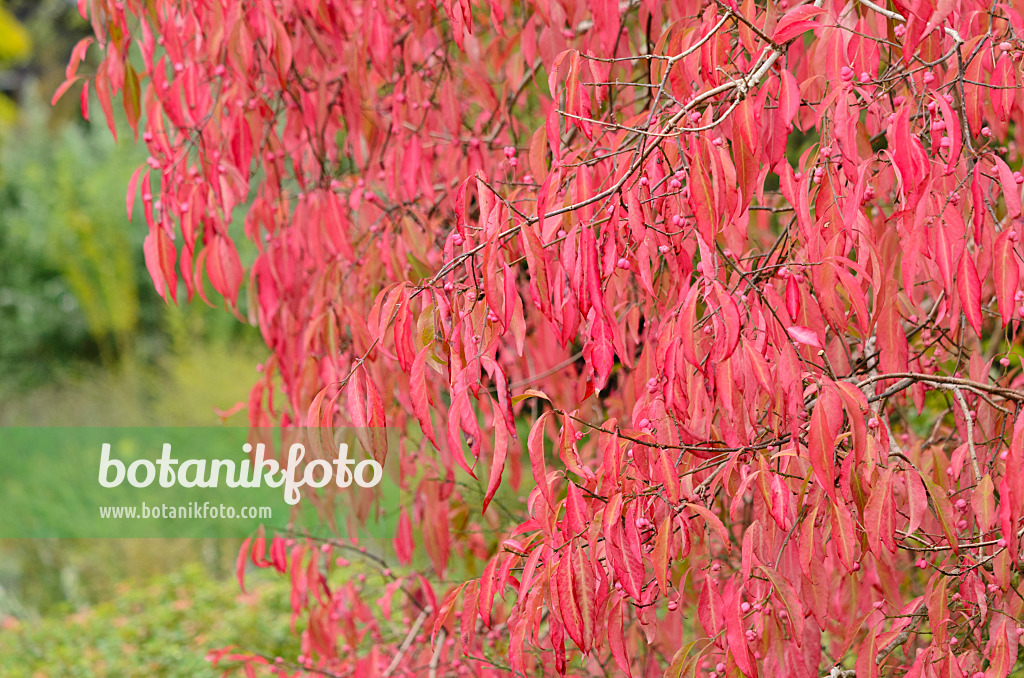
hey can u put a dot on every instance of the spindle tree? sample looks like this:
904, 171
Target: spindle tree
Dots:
699, 321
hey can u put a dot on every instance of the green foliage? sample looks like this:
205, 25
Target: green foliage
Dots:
70, 273
163, 629
73, 282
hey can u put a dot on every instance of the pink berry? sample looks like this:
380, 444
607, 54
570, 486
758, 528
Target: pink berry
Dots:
623, 263
1005, 362
1005, 46
745, 606
846, 73
672, 605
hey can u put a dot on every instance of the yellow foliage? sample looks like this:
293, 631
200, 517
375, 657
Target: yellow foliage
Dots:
15, 43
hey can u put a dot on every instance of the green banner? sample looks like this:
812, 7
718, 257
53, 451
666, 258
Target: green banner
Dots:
198, 482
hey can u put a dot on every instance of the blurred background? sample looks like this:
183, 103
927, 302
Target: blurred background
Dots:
85, 340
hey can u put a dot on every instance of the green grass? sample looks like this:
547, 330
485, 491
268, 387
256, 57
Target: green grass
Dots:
163, 629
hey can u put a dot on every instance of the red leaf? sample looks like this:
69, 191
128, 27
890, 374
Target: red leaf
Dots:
795, 22
843, 534
983, 503
1006, 273
793, 304
780, 497
498, 461
535, 447
224, 268
702, 198
944, 256
804, 335
616, 639
820, 448
789, 97
714, 522
944, 512
467, 625
1011, 192
878, 513
710, 607
447, 605
790, 600
734, 630
916, 498
968, 286
659, 555
420, 397
243, 557
160, 256
488, 589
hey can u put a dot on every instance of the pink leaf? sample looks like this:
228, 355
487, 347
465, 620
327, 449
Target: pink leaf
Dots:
804, 335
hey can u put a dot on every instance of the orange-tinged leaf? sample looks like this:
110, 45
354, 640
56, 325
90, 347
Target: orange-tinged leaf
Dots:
983, 502
843, 534
790, 600
702, 198
821, 448
917, 499
659, 555
447, 606
944, 512
713, 521
878, 516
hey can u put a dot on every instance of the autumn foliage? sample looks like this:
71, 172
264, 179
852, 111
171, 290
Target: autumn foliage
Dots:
700, 321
